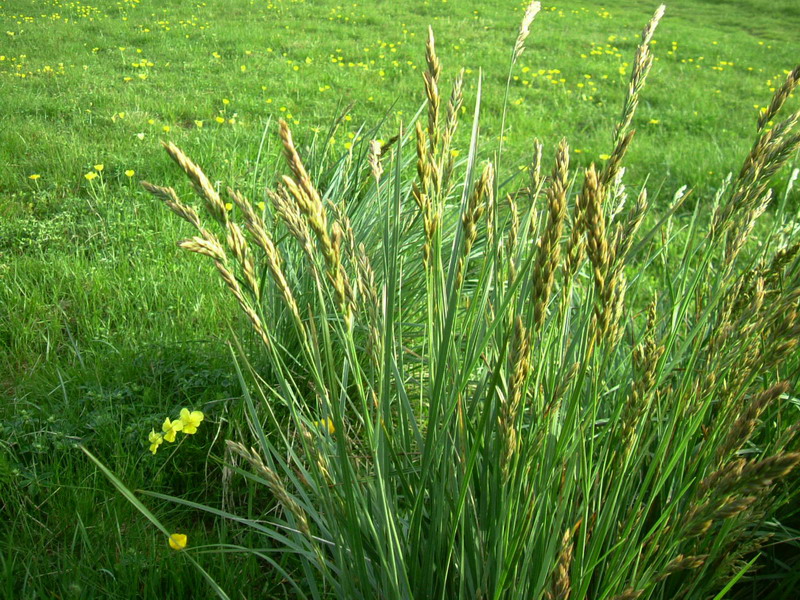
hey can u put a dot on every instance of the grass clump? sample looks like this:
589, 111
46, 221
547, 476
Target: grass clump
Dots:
480, 388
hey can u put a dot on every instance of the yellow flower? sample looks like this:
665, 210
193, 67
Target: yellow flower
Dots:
262, 206
98, 167
91, 176
199, 124
605, 156
170, 428
130, 172
191, 420
228, 206
156, 439
326, 424
177, 541
219, 119
35, 176
165, 128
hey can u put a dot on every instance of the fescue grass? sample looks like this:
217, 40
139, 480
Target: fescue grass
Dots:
110, 328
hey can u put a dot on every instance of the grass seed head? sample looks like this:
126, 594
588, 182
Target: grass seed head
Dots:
525, 29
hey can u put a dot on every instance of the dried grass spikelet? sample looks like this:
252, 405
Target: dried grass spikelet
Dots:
239, 248
536, 168
513, 237
431, 79
549, 254
476, 206
628, 593
519, 368
745, 424
170, 198
233, 285
597, 248
757, 475
613, 165
207, 244
576, 245
310, 204
257, 230
733, 488
375, 160
454, 104
200, 183
642, 62
525, 29
769, 153
595, 222
561, 585
615, 306
290, 215
646, 357
423, 191
779, 98
742, 230
536, 184
424, 165
682, 563
451, 125
631, 227
297, 167
370, 303
274, 483
779, 262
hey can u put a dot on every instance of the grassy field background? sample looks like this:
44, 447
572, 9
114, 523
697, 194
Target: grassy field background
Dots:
106, 327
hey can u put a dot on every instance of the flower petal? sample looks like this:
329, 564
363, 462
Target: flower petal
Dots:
177, 541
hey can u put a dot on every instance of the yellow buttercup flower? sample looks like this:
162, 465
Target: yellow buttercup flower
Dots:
326, 424
35, 176
98, 167
191, 420
171, 428
130, 173
156, 439
177, 541
91, 176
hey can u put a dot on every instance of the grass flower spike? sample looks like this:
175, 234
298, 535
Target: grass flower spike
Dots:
177, 541
190, 421
171, 428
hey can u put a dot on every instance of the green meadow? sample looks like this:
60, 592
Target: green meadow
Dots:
365, 381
